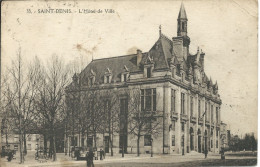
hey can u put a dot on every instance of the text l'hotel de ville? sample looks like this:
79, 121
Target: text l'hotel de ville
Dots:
64, 11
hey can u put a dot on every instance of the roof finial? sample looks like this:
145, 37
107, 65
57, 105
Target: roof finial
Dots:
198, 49
160, 29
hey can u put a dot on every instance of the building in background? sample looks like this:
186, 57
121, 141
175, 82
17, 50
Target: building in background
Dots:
224, 135
173, 89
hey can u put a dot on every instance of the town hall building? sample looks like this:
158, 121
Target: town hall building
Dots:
173, 85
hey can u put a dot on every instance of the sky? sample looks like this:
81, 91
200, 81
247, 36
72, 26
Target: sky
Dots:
226, 30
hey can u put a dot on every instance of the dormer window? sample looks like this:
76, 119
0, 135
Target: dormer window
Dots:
149, 72
125, 74
125, 77
108, 79
108, 76
92, 78
91, 83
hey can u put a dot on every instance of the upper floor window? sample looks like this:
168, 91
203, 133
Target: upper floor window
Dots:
199, 114
191, 106
212, 113
182, 103
148, 99
173, 99
182, 127
206, 114
217, 115
107, 108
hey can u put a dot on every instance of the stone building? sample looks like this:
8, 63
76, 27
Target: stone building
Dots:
172, 84
224, 135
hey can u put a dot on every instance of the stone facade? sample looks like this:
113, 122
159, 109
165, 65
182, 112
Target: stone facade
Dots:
175, 87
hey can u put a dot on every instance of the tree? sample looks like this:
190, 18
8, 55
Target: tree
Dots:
20, 92
50, 100
143, 118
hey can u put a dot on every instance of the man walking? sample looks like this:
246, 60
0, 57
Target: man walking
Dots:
206, 152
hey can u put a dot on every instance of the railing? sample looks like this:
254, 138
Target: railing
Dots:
184, 117
200, 120
193, 119
174, 116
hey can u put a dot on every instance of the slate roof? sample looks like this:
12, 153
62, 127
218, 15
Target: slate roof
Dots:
115, 64
161, 52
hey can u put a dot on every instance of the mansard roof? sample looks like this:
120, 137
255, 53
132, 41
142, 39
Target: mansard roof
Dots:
116, 65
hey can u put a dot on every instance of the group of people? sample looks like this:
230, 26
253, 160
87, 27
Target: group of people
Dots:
222, 153
90, 155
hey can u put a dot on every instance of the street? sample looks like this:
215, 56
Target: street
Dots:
208, 162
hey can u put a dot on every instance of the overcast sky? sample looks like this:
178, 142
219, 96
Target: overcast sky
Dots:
226, 30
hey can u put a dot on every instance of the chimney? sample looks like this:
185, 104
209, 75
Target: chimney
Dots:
139, 57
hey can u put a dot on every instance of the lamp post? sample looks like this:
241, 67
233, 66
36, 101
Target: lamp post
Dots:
151, 147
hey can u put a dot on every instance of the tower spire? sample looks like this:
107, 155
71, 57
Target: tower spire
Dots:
182, 22
182, 12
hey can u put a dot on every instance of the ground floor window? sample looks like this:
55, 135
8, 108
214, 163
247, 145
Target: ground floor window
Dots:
173, 140
74, 141
147, 140
90, 141
82, 142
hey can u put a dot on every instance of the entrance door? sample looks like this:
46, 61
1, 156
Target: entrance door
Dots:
206, 144
182, 144
199, 144
191, 142
107, 144
191, 139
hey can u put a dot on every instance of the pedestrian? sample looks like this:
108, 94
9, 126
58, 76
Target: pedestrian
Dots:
101, 154
222, 153
206, 153
10, 156
87, 159
90, 158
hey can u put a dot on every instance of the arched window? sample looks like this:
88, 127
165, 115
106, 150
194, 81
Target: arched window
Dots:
183, 26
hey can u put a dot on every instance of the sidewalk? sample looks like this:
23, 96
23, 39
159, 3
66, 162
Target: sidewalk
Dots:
63, 160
